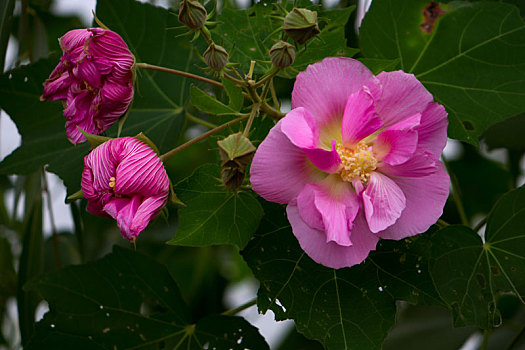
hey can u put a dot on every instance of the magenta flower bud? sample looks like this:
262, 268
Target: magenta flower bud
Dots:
125, 179
94, 79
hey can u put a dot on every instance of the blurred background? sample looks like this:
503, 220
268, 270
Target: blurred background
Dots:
213, 279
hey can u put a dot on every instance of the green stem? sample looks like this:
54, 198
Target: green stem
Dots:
274, 96
253, 114
485, 340
456, 194
177, 72
191, 142
238, 309
205, 33
235, 80
54, 237
196, 120
266, 108
442, 223
270, 75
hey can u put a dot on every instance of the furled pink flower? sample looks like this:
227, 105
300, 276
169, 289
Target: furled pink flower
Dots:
94, 78
126, 180
357, 159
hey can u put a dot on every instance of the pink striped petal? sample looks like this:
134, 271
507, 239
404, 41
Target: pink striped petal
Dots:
359, 119
383, 202
425, 199
403, 96
73, 39
325, 86
395, 147
331, 254
123, 210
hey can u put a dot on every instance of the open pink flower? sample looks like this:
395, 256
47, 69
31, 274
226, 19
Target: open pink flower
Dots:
126, 180
94, 78
357, 159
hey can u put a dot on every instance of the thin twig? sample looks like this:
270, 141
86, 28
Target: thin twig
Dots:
177, 72
456, 194
199, 138
238, 309
196, 120
253, 114
54, 237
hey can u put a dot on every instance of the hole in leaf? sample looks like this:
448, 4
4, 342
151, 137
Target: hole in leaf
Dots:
468, 125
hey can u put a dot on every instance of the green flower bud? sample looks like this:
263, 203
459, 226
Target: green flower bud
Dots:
236, 151
232, 178
301, 25
192, 14
216, 57
282, 54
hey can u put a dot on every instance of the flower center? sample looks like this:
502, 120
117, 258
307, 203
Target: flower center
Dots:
356, 162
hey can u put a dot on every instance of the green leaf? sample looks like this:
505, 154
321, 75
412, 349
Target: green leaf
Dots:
470, 274
208, 103
378, 65
128, 300
472, 62
234, 93
212, 215
507, 134
350, 308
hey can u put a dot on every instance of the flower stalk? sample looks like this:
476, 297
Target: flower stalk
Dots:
177, 72
191, 142
238, 309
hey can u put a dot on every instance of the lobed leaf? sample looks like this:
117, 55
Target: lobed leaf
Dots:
213, 215
471, 274
472, 61
128, 300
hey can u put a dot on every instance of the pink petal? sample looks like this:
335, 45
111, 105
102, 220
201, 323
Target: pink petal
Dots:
123, 210
279, 169
331, 254
420, 164
433, 129
87, 71
407, 124
147, 210
327, 161
359, 119
395, 146
335, 205
140, 170
57, 88
383, 202
73, 39
325, 86
403, 96
301, 128
425, 198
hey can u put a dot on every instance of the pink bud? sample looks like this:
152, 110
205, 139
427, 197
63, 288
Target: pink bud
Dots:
95, 79
126, 180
